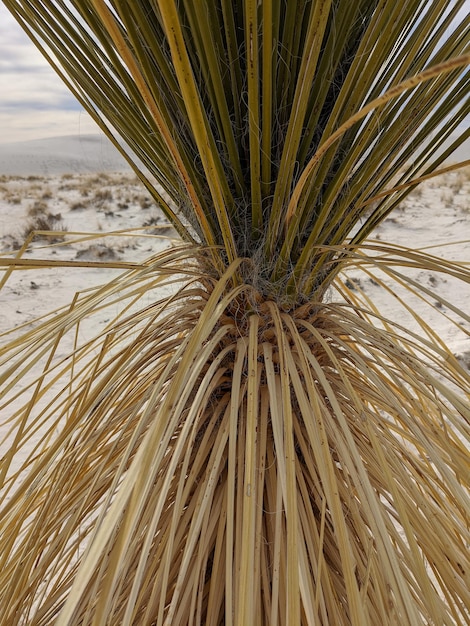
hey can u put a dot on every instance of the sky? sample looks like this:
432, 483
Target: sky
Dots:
34, 103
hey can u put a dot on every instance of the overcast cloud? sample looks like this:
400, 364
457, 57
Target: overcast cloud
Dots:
34, 103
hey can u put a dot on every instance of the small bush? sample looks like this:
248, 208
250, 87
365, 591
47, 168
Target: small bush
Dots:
49, 223
99, 179
447, 198
102, 196
78, 206
145, 202
158, 226
13, 198
38, 208
97, 252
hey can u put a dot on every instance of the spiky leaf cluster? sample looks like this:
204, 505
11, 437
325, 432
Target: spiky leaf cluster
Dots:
271, 128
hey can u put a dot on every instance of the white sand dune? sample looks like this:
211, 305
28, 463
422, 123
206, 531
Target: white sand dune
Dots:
88, 153
60, 155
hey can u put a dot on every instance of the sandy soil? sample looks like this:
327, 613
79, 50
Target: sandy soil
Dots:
73, 186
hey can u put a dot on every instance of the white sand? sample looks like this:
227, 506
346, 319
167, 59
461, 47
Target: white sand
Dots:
61, 155
437, 214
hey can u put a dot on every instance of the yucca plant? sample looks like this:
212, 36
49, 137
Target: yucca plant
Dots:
250, 440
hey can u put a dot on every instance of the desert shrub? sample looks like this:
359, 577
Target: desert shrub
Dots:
102, 195
46, 226
96, 252
47, 194
99, 180
13, 197
158, 226
145, 202
80, 205
37, 208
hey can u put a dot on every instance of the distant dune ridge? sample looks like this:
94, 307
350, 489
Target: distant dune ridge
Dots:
61, 155
83, 154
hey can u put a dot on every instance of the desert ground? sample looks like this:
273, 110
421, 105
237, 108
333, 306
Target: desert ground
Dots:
78, 200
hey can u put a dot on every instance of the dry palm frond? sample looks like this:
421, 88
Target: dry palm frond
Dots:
202, 462
249, 440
